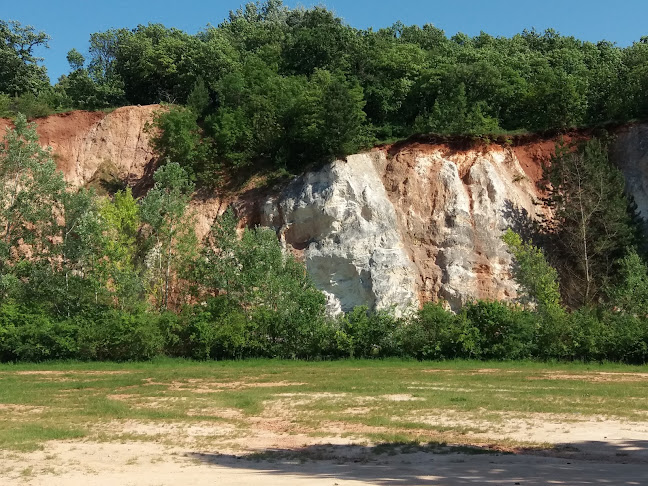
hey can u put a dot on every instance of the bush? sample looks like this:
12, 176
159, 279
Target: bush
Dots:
368, 335
434, 333
502, 331
177, 137
216, 330
119, 336
626, 338
29, 334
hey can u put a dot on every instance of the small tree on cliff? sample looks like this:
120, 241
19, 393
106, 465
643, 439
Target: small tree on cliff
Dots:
172, 240
591, 228
31, 193
537, 278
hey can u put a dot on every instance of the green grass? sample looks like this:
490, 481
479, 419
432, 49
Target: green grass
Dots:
377, 400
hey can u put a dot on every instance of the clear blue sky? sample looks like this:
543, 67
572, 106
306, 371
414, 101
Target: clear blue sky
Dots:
70, 22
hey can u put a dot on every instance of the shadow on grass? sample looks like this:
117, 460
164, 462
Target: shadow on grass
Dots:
584, 463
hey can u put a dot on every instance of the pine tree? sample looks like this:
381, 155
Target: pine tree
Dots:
590, 228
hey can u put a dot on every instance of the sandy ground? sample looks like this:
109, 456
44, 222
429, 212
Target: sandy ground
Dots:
592, 452
151, 465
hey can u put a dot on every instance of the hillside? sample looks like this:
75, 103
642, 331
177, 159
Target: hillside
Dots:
399, 225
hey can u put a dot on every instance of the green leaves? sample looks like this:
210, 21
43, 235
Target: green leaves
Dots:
170, 230
537, 278
19, 69
591, 228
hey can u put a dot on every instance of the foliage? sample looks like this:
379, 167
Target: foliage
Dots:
169, 229
630, 294
538, 280
19, 69
31, 192
590, 228
282, 87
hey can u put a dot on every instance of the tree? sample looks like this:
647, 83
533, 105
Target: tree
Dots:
121, 223
453, 114
630, 294
327, 120
81, 251
75, 59
198, 100
19, 69
31, 191
537, 278
267, 284
177, 137
590, 228
172, 240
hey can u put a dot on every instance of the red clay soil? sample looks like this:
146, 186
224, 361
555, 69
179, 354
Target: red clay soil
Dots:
56, 128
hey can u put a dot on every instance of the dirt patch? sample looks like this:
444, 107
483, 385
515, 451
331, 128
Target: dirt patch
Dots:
225, 413
20, 409
401, 397
206, 386
67, 373
357, 411
594, 377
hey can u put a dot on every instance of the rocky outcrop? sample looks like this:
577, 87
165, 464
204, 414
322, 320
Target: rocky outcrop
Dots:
342, 219
422, 224
95, 145
452, 208
393, 227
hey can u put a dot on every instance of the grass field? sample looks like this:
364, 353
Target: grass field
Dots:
232, 404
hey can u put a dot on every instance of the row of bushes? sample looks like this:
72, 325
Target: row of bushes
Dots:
220, 330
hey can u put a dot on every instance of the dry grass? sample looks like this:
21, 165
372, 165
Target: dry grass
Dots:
238, 403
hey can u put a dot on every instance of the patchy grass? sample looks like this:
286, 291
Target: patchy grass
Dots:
381, 401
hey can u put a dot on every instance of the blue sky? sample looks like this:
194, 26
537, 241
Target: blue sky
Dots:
70, 22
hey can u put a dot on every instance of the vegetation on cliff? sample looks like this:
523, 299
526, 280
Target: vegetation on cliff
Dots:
294, 86
120, 278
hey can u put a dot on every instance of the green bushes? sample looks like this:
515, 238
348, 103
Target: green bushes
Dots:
31, 334
219, 329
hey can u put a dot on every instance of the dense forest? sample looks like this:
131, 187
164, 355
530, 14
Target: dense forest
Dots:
88, 277
291, 86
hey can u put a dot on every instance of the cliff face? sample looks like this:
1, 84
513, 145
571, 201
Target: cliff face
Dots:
92, 145
397, 229
393, 227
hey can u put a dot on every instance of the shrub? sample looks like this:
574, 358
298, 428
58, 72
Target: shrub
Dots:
626, 338
119, 336
368, 335
30, 334
433, 333
502, 331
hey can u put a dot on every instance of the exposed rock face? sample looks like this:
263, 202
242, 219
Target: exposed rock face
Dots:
452, 208
422, 225
345, 223
397, 226
630, 153
90, 145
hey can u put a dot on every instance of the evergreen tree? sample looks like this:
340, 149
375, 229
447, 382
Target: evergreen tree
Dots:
590, 227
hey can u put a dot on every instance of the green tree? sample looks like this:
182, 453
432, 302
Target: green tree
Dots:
267, 284
630, 294
31, 193
327, 121
19, 69
177, 137
121, 223
198, 99
537, 278
590, 228
170, 229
